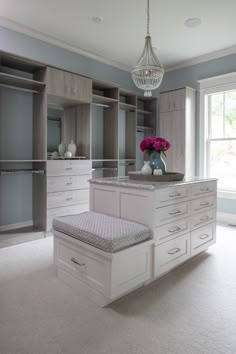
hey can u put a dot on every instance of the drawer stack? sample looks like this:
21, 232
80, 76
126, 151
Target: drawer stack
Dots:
184, 220
67, 188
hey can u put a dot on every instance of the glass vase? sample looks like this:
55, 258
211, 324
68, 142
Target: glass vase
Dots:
157, 162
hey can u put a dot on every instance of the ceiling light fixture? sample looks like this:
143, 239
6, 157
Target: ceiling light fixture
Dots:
97, 19
148, 72
193, 22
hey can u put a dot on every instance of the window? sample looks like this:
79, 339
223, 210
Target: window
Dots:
218, 131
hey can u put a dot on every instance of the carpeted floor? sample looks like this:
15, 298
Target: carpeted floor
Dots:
192, 310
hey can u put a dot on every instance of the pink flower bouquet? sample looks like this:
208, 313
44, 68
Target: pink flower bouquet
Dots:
153, 144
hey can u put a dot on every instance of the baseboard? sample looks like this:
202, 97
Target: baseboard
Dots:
19, 225
225, 218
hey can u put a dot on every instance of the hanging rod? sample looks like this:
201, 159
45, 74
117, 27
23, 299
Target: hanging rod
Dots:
100, 105
21, 171
19, 88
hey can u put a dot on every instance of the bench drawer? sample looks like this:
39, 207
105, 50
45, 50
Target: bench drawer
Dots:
65, 183
61, 199
69, 168
165, 196
204, 218
202, 238
171, 213
201, 204
171, 253
172, 230
203, 188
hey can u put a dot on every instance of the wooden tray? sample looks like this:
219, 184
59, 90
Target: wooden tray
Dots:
168, 177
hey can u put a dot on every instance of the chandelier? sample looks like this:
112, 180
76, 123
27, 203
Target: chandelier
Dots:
148, 72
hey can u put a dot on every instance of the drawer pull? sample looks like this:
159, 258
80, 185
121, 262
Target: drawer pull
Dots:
177, 228
175, 195
204, 203
203, 218
175, 212
69, 198
204, 189
68, 183
75, 261
174, 250
68, 168
202, 237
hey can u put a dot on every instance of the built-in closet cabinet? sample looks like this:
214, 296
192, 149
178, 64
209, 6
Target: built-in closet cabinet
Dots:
177, 124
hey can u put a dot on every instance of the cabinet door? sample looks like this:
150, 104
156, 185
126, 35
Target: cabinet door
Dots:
78, 87
178, 99
165, 102
55, 82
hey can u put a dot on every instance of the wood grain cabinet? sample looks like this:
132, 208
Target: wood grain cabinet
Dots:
177, 124
68, 85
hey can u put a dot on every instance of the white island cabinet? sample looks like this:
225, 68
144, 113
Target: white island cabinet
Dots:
182, 215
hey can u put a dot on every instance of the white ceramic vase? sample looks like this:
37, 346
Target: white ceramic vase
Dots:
68, 154
146, 169
61, 149
72, 148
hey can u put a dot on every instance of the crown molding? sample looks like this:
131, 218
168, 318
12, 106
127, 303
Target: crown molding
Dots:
17, 27
203, 58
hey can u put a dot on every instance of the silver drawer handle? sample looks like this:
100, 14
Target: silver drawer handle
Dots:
175, 212
75, 261
69, 198
68, 168
174, 250
204, 218
202, 237
68, 183
204, 189
177, 228
175, 195
204, 203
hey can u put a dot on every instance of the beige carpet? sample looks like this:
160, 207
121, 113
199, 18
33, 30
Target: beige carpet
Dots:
192, 310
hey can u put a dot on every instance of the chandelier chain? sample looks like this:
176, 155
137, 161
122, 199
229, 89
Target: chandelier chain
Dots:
148, 17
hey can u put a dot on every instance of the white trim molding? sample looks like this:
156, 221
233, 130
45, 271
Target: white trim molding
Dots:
19, 225
225, 218
226, 194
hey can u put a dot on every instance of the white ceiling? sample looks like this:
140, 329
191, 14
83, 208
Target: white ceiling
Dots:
120, 37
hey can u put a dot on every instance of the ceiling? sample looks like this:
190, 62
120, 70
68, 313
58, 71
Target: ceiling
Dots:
119, 38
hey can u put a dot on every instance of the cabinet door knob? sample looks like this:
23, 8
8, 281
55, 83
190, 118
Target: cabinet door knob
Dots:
175, 195
76, 262
69, 198
204, 203
175, 212
206, 217
174, 229
202, 237
68, 168
204, 189
174, 250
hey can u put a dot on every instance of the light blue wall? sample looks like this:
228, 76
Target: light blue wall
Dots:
188, 77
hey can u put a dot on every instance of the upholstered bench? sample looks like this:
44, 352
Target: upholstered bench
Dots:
102, 256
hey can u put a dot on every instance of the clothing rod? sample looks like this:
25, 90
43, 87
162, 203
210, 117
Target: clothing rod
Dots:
19, 88
21, 171
100, 105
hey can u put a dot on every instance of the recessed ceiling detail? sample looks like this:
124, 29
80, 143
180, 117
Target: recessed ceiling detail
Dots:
193, 22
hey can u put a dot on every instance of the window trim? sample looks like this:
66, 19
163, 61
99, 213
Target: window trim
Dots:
209, 86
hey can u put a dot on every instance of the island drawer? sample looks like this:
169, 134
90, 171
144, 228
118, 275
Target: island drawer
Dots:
202, 238
171, 213
60, 199
65, 183
171, 253
172, 230
68, 168
204, 218
201, 204
203, 188
171, 195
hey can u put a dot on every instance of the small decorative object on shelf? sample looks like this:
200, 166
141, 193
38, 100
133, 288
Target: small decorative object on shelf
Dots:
68, 154
62, 149
146, 169
156, 146
72, 148
54, 154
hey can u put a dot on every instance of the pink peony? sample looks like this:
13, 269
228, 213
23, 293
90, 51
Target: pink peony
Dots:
154, 143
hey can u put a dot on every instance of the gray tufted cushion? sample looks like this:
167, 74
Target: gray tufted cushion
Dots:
102, 231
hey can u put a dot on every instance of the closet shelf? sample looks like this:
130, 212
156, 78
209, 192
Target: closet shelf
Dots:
20, 171
127, 106
141, 128
103, 99
13, 81
140, 111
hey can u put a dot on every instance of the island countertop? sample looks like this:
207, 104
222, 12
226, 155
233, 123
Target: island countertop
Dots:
127, 182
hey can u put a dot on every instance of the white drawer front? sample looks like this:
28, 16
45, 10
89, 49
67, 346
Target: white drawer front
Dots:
203, 188
65, 183
201, 204
172, 230
202, 238
60, 199
62, 211
171, 213
204, 218
83, 265
69, 167
165, 196
170, 254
